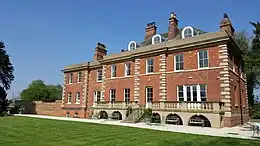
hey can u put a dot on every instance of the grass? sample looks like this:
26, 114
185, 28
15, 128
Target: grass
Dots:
33, 131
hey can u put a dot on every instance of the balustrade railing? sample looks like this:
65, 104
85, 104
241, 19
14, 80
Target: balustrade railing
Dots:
167, 105
186, 105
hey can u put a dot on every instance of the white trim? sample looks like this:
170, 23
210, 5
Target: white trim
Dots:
191, 91
112, 70
184, 29
110, 91
71, 78
157, 35
125, 92
129, 44
198, 59
77, 102
146, 66
174, 63
101, 75
78, 77
126, 69
68, 97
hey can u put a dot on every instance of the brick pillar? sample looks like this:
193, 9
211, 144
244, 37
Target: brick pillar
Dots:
225, 84
103, 88
85, 89
137, 80
162, 70
63, 91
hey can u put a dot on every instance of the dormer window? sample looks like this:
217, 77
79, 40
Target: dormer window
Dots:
156, 39
132, 46
187, 32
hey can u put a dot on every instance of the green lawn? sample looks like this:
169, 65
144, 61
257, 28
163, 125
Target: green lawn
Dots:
35, 132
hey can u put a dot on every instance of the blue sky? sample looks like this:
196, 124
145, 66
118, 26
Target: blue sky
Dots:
43, 36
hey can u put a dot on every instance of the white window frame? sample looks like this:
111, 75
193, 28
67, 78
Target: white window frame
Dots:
146, 94
69, 97
175, 62
79, 77
153, 39
198, 58
127, 68
110, 95
96, 96
113, 69
184, 29
129, 45
77, 97
98, 75
125, 93
147, 67
70, 78
191, 92
178, 98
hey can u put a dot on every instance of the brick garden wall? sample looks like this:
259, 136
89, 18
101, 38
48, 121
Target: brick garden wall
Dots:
49, 108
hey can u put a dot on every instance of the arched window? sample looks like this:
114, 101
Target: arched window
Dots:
156, 39
132, 46
187, 32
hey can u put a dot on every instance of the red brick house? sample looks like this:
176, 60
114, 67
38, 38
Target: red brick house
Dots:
186, 76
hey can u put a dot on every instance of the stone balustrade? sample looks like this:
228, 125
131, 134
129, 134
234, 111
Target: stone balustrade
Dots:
117, 104
187, 106
208, 106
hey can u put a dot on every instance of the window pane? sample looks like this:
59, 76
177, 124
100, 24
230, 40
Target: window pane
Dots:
201, 63
181, 57
181, 66
194, 92
188, 93
200, 55
206, 64
205, 54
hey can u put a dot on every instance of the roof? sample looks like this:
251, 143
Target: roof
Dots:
173, 44
165, 36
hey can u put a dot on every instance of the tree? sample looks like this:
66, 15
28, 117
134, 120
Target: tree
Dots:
6, 68
6, 77
55, 92
38, 91
3, 100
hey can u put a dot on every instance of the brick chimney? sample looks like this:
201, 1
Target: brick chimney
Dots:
226, 25
150, 30
100, 51
173, 29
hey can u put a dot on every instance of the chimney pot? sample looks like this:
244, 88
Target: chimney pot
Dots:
173, 29
226, 25
100, 51
150, 30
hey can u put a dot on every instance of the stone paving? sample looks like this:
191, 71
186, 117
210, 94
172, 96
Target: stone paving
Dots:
235, 132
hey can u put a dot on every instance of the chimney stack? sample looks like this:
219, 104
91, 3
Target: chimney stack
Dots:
150, 30
100, 51
226, 25
173, 29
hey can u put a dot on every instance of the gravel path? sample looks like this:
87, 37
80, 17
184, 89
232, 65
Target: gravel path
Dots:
235, 132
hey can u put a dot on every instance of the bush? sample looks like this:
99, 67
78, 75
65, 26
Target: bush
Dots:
148, 112
3, 114
256, 111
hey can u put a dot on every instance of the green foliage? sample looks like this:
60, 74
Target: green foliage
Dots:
3, 101
6, 68
251, 57
38, 91
148, 112
256, 112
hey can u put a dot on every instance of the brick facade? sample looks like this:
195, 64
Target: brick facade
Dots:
219, 78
